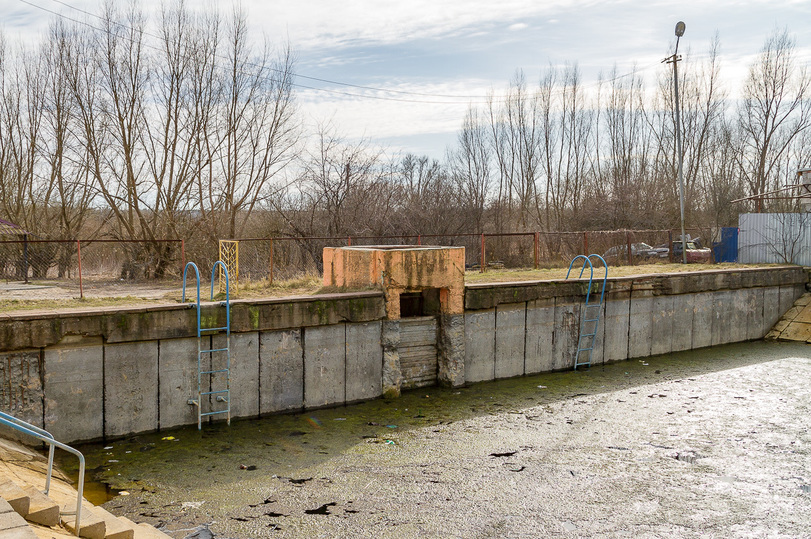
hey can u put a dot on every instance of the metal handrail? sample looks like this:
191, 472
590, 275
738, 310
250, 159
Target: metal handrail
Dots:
46, 437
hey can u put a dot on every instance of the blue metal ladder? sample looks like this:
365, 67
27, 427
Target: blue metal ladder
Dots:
590, 317
221, 395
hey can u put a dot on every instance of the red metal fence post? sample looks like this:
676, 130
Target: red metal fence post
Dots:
79, 257
536, 241
628, 243
481, 263
271, 261
670, 244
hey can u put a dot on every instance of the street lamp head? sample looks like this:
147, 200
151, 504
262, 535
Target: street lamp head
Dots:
679, 29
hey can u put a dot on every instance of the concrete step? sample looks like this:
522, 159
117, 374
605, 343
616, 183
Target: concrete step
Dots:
12, 525
91, 526
15, 496
795, 325
41, 509
145, 531
116, 528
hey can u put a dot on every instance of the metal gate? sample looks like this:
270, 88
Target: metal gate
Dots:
418, 355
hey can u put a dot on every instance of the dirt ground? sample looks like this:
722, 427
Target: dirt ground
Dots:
63, 295
708, 443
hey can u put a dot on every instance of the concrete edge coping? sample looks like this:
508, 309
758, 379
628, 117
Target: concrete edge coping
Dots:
36, 314
640, 277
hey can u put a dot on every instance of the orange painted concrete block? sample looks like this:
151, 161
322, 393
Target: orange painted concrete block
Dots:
399, 269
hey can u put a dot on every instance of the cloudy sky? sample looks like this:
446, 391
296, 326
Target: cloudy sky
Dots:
422, 62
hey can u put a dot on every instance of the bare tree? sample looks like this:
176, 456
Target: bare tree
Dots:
470, 166
774, 110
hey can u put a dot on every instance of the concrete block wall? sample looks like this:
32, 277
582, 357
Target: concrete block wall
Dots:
642, 316
105, 374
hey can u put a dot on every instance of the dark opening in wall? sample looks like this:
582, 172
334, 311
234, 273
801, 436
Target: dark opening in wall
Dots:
411, 304
423, 303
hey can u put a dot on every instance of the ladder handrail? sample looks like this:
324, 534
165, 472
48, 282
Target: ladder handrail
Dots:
183, 297
48, 438
209, 350
587, 260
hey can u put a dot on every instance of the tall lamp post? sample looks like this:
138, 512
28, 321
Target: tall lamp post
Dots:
675, 60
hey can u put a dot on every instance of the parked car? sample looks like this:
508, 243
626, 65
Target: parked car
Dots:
695, 253
639, 251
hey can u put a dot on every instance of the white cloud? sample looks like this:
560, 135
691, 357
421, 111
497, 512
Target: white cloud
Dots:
322, 23
517, 26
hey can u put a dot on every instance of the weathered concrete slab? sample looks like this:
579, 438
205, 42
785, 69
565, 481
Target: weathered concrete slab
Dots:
598, 354
130, 388
20, 386
787, 298
392, 371
703, 318
539, 353
616, 324
640, 326
796, 331
489, 295
281, 371
723, 316
754, 314
319, 310
662, 325
742, 305
771, 307
480, 345
364, 361
74, 367
244, 372
324, 365
177, 369
682, 322
510, 337
567, 331
451, 350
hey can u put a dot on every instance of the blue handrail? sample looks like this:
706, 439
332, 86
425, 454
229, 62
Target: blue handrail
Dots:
200, 351
46, 437
586, 336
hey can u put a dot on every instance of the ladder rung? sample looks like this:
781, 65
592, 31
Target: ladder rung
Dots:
213, 372
214, 413
215, 392
214, 329
591, 320
214, 350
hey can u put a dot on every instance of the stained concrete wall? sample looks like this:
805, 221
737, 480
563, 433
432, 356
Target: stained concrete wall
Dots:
642, 316
110, 374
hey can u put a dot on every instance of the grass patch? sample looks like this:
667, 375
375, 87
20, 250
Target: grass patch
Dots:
75, 303
545, 274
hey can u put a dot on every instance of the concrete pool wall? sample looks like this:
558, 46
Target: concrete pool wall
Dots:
108, 373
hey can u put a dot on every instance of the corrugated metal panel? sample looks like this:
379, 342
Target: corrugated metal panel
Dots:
774, 238
418, 356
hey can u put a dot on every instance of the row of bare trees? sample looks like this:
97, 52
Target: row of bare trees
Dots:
180, 126
144, 133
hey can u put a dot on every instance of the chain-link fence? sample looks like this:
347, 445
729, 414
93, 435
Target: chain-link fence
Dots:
130, 267
80, 264
293, 257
